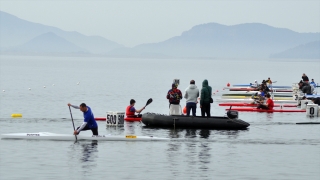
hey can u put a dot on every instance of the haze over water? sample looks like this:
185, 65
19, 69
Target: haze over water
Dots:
273, 147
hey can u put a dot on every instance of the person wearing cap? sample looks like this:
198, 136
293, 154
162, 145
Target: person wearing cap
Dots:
312, 83
130, 110
305, 78
269, 104
174, 95
191, 95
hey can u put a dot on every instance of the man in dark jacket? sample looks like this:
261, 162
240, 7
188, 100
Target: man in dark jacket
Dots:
305, 78
205, 98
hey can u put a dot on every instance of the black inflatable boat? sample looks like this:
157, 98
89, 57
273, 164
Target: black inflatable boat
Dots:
231, 121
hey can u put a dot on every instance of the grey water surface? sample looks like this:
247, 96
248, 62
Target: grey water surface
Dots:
273, 147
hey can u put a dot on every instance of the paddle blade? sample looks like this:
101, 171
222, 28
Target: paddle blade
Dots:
149, 101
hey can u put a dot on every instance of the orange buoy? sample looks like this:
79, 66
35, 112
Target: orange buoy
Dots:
217, 91
228, 85
185, 110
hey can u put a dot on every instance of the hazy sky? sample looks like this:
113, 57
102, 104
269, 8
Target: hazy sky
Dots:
135, 22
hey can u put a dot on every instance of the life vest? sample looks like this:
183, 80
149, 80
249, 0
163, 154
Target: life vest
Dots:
128, 112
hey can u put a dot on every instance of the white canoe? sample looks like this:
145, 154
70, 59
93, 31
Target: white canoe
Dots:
250, 100
68, 137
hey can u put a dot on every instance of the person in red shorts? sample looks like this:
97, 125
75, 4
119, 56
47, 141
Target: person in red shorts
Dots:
269, 104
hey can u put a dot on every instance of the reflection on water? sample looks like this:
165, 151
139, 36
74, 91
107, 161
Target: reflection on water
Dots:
191, 133
175, 133
204, 133
89, 151
130, 127
89, 156
115, 130
269, 116
230, 134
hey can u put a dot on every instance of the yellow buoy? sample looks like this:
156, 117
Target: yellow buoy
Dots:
16, 115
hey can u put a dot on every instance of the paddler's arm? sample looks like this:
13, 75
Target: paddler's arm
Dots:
76, 107
139, 111
81, 127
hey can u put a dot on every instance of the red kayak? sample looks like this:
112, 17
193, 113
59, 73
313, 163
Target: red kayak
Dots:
126, 118
100, 118
250, 109
255, 105
255, 89
132, 118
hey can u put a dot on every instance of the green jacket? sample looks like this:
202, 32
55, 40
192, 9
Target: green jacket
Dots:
206, 92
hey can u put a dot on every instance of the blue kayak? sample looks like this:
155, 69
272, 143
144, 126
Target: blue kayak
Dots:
312, 96
273, 86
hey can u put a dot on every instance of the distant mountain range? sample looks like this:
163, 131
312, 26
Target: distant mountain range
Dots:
212, 40
306, 51
15, 32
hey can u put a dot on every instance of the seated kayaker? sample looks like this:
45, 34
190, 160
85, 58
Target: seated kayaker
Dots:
255, 84
306, 89
130, 110
269, 104
316, 101
89, 123
312, 83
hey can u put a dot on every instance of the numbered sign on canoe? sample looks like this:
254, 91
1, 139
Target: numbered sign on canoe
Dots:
312, 110
115, 118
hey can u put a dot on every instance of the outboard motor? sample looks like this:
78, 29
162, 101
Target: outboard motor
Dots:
232, 114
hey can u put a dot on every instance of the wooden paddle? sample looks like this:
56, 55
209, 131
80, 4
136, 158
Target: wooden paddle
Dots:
74, 129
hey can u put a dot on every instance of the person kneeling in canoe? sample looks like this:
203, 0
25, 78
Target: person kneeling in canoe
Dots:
269, 104
89, 123
130, 110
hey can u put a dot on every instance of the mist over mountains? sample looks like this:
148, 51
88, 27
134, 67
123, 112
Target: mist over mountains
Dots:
16, 32
212, 40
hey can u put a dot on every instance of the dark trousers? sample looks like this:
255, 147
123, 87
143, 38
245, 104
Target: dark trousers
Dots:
205, 109
192, 106
261, 106
94, 130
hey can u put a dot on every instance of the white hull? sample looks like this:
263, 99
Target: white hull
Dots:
69, 137
250, 100
253, 92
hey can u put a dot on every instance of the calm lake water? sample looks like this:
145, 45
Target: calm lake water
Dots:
273, 147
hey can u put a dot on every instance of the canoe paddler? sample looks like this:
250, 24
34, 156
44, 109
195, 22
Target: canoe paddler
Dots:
269, 104
89, 123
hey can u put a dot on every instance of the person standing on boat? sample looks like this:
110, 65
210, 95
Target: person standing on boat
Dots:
305, 78
130, 110
205, 98
174, 95
269, 81
191, 94
269, 104
89, 123
312, 83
